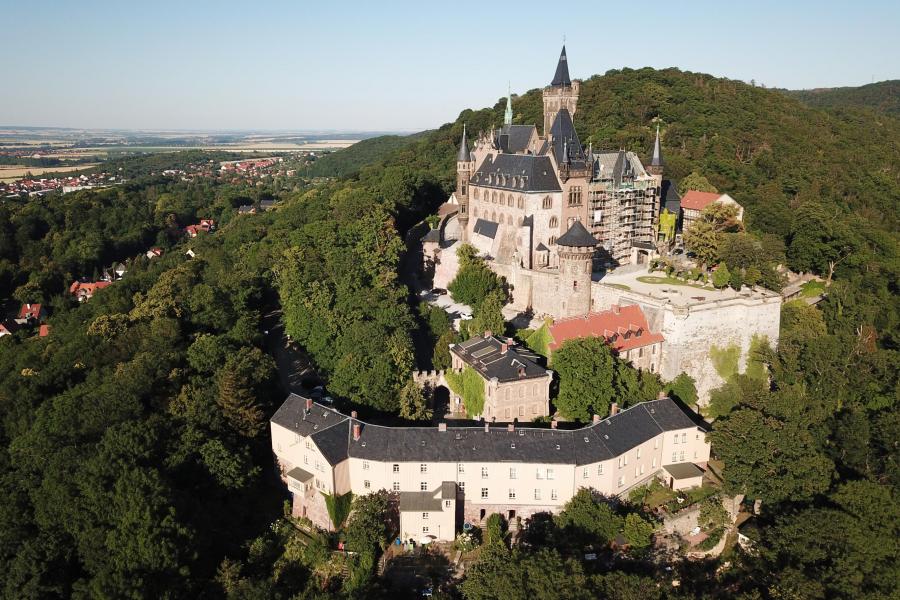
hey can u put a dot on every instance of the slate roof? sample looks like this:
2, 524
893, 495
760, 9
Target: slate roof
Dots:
515, 138
669, 195
561, 77
566, 145
684, 470
618, 166
576, 236
656, 160
419, 501
293, 415
463, 154
485, 228
485, 355
433, 235
332, 442
522, 172
300, 475
596, 442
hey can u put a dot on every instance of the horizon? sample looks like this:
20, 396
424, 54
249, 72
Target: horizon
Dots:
402, 68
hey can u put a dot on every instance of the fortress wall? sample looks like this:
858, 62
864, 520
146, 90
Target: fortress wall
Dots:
691, 331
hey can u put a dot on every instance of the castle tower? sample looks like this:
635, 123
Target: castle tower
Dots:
508, 115
656, 161
576, 253
561, 93
464, 168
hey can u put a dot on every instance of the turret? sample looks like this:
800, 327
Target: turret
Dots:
508, 115
656, 161
576, 253
464, 168
561, 93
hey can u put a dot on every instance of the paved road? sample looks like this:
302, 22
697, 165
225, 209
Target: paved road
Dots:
293, 364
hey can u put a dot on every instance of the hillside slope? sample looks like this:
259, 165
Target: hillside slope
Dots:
883, 96
365, 152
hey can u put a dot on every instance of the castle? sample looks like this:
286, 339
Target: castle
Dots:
558, 221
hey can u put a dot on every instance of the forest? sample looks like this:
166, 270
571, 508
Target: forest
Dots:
135, 458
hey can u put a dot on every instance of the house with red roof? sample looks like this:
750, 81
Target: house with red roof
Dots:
8, 327
85, 290
206, 225
44, 330
154, 253
31, 312
694, 202
625, 330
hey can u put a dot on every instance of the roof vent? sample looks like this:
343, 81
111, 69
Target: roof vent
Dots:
521, 432
605, 437
513, 445
586, 439
458, 436
510, 428
442, 427
423, 442
557, 446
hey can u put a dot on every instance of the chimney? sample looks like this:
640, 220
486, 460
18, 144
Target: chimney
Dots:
615, 309
487, 333
504, 347
442, 427
487, 427
308, 404
596, 419
661, 395
553, 424
510, 341
356, 430
510, 428
521, 372
613, 409
352, 414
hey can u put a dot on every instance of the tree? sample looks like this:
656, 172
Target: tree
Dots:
702, 240
474, 281
585, 367
695, 181
368, 529
441, 359
495, 529
413, 405
721, 276
585, 521
638, 531
489, 315
684, 389
238, 403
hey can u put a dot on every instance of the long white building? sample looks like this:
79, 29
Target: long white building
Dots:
442, 476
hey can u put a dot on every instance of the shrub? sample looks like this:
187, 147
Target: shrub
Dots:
710, 542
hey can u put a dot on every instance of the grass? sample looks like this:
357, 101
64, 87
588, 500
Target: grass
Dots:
812, 288
668, 281
620, 286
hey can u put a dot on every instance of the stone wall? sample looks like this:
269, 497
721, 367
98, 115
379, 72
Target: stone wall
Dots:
692, 330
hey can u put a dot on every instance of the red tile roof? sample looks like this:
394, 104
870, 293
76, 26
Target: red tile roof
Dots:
623, 327
44, 331
695, 200
86, 288
30, 311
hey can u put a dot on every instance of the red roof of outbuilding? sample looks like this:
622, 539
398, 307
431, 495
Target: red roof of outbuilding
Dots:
695, 200
623, 327
30, 311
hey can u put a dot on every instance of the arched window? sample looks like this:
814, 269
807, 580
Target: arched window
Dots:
552, 240
521, 202
494, 216
509, 219
548, 202
494, 197
520, 221
475, 193
554, 222
475, 212
509, 200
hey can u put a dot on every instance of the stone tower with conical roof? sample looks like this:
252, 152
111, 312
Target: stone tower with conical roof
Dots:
656, 160
576, 253
561, 93
465, 166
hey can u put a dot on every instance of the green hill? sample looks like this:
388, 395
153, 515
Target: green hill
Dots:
883, 96
350, 160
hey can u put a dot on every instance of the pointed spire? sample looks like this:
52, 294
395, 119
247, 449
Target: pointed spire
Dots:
561, 78
656, 160
463, 155
507, 117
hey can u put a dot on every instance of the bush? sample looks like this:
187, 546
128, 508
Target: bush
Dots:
721, 276
466, 541
710, 542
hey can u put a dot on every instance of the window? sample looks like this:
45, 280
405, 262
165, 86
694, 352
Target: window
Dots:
681, 455
674, 457
475, 193
684, 438
512, 493
600, 469
461, 468
365, 465
621, 480
635, 472
534, 409
424, 516
653, 463
552, 240
638, 452
550, 474
423, 468
508, 411
462, 485
626, 460
537, 493
484, 493
642, 469
575, 195
509, 200
396, 486
423, 486
548, 202
676, 438
521, 410
396, 468
554, 495
484, 473
554, 222
656, 444
308, 445
305, 459
425, 529
447, 503
367, 484
521, 202
512, 472
539, 474
620, 462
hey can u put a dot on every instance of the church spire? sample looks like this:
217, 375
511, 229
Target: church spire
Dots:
656, 160
561, 78
463, 155
507, 116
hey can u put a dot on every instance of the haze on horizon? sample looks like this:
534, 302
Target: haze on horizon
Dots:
398, 66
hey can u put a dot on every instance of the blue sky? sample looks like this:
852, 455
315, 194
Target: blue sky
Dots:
397, 65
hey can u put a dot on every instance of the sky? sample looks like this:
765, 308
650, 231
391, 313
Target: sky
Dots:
396, 65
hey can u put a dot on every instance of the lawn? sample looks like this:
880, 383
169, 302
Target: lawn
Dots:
812, 288
669, 281
620, 286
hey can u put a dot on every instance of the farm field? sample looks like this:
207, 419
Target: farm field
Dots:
14, 172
